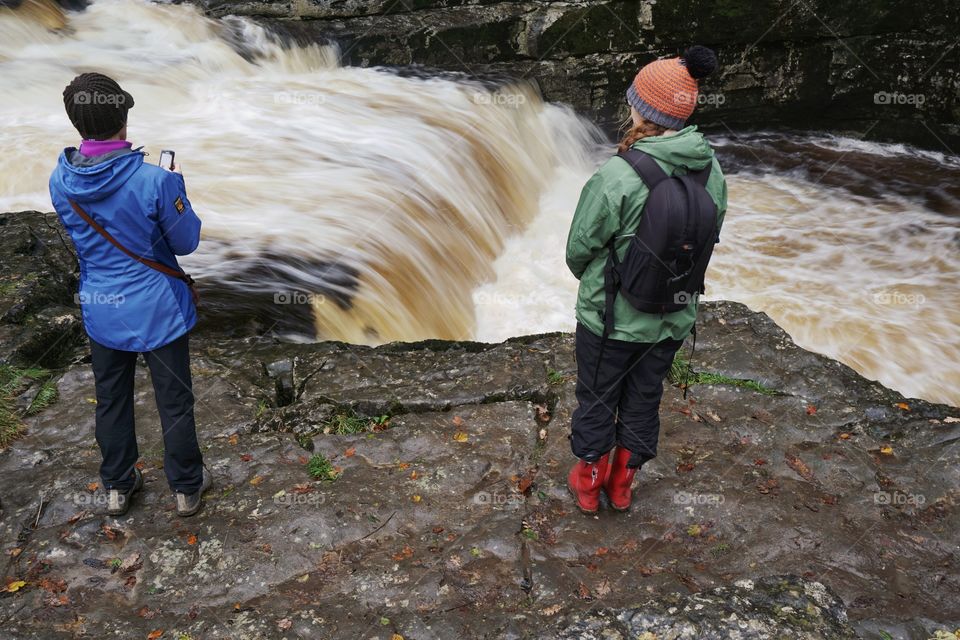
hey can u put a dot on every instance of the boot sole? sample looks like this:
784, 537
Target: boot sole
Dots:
129, 503
187, 514
614, 506
199, 507
585, 512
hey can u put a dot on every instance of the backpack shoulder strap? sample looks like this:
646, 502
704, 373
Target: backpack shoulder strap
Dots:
645, 166
701, 177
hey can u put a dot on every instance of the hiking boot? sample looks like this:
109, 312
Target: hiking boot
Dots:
619, 479
187, 505
118, 502
585, 481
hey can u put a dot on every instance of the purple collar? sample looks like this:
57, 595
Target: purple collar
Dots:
91, 148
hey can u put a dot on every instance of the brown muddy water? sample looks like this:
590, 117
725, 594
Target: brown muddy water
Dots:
396, 208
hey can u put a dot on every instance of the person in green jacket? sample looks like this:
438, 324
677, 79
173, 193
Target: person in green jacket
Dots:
620, 382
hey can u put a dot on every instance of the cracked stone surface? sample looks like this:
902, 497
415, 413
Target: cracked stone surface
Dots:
824, 509
452, 520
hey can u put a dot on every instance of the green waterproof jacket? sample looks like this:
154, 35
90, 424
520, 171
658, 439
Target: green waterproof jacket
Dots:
611, 204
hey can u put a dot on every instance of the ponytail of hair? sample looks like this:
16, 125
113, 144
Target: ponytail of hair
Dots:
645, 129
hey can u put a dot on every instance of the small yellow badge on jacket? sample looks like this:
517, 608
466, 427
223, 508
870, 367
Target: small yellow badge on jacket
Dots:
178, 203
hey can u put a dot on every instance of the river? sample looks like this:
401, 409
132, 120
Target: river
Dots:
405, 208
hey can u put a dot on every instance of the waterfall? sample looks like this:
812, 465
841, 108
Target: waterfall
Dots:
369, 206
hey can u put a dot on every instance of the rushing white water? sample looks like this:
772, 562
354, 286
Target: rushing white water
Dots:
419, 208
867, 275
385, 198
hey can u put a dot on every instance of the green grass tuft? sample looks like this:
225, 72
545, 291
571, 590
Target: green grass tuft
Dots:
10, 426
11, 377
46, 396
322, 469
344, 424
13, 382
682, 375
555, 377
679, 370
262, 407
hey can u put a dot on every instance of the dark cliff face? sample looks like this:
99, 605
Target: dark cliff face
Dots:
884, 69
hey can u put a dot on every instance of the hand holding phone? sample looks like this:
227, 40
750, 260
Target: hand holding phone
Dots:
166, 159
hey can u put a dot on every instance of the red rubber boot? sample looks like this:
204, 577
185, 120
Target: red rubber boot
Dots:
585, 481
619, 479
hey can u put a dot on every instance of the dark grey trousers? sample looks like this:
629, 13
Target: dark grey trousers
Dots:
169, 366
619, 400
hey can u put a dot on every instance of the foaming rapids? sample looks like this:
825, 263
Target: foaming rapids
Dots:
377, 202
853, 247
361, 205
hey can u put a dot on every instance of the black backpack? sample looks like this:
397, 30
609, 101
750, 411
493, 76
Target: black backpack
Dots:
664, 266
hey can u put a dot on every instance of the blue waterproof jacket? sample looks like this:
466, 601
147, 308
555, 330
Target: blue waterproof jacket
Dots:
127, 305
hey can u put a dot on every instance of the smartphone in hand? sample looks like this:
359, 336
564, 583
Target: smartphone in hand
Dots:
166, 159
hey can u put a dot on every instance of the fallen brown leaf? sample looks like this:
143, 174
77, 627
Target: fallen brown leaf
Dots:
111, 532
131, 563
403, 554
53, 585
15, 585
524, 481
763, 416
799, 466
603, 588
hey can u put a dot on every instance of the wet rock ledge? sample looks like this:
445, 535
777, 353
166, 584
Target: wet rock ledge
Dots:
417, 490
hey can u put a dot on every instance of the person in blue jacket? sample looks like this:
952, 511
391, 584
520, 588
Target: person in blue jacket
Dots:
128, 307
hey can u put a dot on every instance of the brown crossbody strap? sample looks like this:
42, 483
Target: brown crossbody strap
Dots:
153, 264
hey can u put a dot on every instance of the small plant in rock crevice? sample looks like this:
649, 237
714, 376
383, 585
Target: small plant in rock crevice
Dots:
320, 468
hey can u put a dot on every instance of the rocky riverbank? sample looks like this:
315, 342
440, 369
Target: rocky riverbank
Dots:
418, 490
883, 69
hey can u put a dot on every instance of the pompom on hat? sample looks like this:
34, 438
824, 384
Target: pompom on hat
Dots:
665, 91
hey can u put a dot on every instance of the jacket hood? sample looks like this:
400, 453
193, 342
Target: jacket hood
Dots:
92, 179
686, 148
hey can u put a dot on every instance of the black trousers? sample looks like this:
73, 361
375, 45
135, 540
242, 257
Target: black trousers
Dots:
169, 366
619, 401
